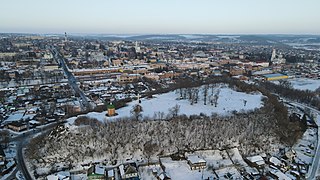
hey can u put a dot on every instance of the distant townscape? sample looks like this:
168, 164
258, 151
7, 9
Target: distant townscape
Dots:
161, 107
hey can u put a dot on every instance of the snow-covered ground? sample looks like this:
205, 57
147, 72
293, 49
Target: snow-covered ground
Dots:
228, 173
305, 84
215, 158
229, 100
181, 170
146, 172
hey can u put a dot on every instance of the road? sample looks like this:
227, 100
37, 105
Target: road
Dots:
22, 140
314, 169
20, 159
72, 80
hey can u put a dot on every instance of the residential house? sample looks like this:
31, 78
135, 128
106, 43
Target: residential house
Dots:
195, 162
17, 126
96, 172
124, 78
255, 161
110, 174
275, 162
129, 171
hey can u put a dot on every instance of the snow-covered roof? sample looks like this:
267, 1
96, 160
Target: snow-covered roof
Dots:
275, 161
52, 177
255, 158
258, 160
34, 122
280, 175
15, 117
110, 173
195, 159
121, 167
99, 170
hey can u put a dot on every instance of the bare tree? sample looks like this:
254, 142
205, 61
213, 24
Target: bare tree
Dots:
174, 111
136, 111
150, 149
205, 94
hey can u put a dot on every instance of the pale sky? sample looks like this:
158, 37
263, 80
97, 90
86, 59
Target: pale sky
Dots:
161, 16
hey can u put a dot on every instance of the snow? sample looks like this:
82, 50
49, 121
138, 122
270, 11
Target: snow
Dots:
275, 161
236, 157
305, 84
229, 100
17, 116
228, 170
280, 175
99, 170
256, 159
195, 159
52, 177
215, 158
110, 173
302, 147
181, 170
19, 176
146, 172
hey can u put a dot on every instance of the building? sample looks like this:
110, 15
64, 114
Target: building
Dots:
126, 78
128, 171
195, 162
277, 59
255, 161
17, 126
96, 173
110, 174
274, 77
111, 110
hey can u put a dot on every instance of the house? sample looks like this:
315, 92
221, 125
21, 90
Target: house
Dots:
59, 176
278, 175
195, 162
78, 174
128, 171
34, 123
125, 78
110, 174
255, 161
96, 172
17, 126
32, 111
275, 162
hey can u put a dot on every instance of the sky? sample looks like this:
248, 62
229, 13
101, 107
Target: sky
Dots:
160, 16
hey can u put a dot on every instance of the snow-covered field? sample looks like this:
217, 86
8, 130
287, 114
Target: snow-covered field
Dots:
305, 84
229, 100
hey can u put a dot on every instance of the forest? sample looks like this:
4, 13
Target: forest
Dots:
260, 130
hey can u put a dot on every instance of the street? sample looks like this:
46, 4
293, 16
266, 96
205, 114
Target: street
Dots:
314, 169
22, 140
72, 80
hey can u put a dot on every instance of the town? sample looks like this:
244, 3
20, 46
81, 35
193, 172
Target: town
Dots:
62, 87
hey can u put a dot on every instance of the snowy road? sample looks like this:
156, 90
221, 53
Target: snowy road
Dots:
314, 170
22, 140
72, 80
